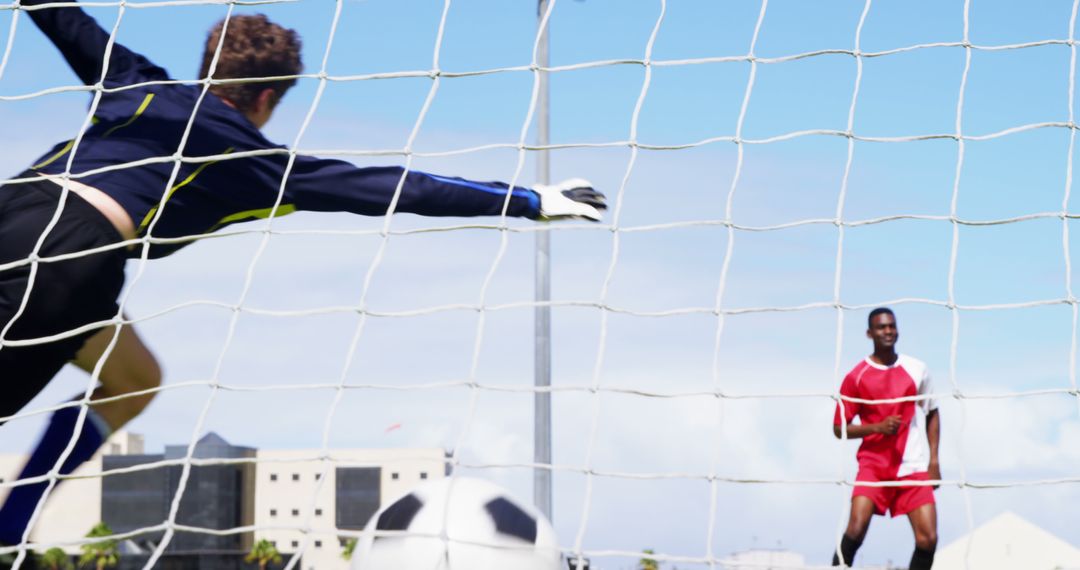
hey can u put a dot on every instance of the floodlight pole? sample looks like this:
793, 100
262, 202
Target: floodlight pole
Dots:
542, 355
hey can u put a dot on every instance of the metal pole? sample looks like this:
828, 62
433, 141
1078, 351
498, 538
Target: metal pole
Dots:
542, 374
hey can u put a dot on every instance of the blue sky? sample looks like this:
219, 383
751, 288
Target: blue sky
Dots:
674, 270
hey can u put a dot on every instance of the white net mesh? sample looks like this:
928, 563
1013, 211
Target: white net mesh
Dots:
773, 171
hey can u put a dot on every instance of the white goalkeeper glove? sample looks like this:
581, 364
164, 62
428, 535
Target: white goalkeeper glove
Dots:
573, 198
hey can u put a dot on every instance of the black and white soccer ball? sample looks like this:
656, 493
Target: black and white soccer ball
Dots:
457, 523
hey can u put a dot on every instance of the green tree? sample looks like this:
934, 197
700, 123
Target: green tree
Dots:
101, 554
347, 551
56, 559
263, 553
648, 562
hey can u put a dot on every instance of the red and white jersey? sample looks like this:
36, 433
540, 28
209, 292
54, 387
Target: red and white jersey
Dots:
907, 451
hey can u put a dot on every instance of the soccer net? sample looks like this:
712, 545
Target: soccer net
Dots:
774, 171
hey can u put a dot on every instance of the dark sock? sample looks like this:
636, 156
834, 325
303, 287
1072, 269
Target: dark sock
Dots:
921, 559
848, 547
19, 507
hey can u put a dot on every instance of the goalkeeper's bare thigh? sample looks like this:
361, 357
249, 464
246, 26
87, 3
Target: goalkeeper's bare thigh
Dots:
66, 294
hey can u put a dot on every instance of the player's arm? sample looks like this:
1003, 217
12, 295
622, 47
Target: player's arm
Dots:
888, 426
933, 436
82, 42
933, 424
338, 186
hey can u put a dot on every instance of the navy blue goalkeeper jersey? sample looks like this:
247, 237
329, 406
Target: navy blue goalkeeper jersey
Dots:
148, 122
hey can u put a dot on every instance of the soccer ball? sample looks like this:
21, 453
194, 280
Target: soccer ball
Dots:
457, 523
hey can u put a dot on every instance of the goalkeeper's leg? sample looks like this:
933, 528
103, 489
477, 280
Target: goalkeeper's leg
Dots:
66, 295
130, 368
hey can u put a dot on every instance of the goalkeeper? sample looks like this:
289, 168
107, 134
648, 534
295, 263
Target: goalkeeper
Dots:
899, 442
121, 190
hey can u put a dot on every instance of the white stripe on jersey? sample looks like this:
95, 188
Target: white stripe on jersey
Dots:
916, 456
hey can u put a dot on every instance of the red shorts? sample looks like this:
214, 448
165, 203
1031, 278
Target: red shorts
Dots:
897, 500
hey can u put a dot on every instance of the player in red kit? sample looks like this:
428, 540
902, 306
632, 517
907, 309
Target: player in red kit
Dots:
899, 442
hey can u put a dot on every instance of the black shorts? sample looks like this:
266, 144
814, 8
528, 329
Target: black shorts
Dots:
66, 294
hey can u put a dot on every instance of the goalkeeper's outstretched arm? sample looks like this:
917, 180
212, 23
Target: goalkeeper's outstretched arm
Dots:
82, 42
331, 185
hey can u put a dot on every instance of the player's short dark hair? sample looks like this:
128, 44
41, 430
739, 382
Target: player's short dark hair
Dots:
253, 47
876, 312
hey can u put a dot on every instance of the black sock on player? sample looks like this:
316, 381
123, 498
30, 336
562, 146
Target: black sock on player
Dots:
921, 559
848, 547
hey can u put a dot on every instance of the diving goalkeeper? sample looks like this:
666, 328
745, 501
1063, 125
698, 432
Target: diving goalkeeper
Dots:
119, 190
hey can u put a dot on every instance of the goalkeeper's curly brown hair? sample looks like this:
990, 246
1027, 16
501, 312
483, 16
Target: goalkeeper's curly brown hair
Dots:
254, 47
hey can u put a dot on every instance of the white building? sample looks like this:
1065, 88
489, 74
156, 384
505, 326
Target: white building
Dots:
289, 497
1008, 542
